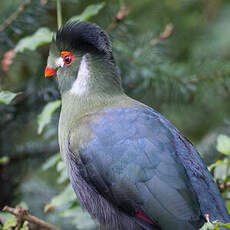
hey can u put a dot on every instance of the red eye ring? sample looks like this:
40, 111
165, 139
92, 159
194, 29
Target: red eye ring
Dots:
67, 57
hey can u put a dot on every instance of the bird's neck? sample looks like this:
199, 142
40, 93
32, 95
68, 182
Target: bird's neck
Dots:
97, 85
87, 98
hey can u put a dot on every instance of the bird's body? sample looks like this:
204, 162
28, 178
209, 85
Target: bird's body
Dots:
129, 166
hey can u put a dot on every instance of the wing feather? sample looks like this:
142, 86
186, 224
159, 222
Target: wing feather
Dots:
132, 160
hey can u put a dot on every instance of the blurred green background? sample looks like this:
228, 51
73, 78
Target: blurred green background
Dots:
173, 55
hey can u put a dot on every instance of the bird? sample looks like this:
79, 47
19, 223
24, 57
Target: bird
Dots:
130, 168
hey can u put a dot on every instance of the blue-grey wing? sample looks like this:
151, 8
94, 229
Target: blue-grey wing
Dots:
138, 161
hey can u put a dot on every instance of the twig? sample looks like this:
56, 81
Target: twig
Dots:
223, 187
165, 34
121, 14
59, 14
46, 150
13, 16
7, 60
206, 216
22, 215
205, 77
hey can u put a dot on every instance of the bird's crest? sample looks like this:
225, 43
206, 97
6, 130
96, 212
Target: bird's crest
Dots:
83, 36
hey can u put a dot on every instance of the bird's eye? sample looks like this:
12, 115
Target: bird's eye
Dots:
68, 59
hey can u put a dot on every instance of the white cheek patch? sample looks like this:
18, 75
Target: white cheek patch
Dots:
80, 85
59, 62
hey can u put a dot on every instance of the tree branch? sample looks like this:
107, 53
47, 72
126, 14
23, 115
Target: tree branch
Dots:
164, 35
23, 215
46, 150
121, 14
13, 16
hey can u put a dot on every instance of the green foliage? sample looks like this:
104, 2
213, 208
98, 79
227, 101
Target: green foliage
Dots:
6, 96
45, 117
52, 161
41, 37
223, 144
208, 226
219, 225
61, 168
66, 197
4, 160
10, 220
221, 171
216, 225
10, 223
218, 163
89, 12
80, 219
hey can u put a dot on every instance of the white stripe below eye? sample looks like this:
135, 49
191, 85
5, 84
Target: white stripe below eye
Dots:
81, 83
59, 62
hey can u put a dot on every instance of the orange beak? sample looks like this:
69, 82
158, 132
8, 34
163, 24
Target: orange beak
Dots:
49, 72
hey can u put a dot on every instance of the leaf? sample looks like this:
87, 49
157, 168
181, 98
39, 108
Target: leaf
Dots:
7, 96
9, 222
23, 204
44, 117
215, 225
4, 160
209, 226
49, 208
40, 37
64, 197
223, 144
89, 12
63, 176
25, 226
217, 163
221, 172
51, 161
7, 59
219, 224
61, 168
80, 218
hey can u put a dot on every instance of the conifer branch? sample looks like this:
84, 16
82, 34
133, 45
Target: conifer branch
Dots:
13, 16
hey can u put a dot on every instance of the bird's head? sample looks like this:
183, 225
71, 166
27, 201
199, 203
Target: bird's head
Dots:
81, 58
